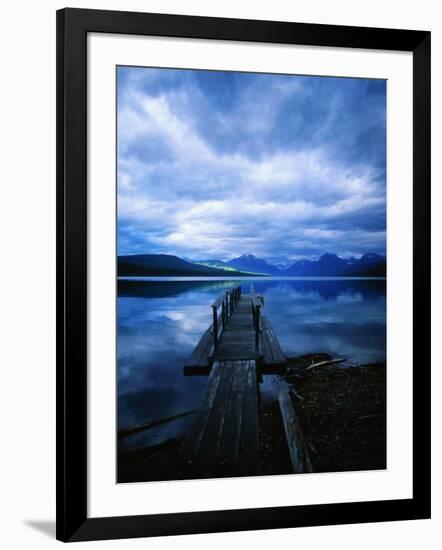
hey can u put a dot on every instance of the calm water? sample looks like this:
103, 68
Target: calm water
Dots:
161, 320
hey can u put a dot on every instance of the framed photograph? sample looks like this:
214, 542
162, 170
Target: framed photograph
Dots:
243, 274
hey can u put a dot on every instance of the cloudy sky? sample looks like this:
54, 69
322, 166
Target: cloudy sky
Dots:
217, 164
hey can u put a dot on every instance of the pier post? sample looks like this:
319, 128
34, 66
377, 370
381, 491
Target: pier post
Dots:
257, 315
215, 327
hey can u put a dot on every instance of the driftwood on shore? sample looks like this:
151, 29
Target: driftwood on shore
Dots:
125, 432
325, 363
300, 364
299, 455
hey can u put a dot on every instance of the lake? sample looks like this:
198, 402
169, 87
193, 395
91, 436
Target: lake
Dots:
160, 320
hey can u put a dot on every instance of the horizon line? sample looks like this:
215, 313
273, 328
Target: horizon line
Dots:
383, 255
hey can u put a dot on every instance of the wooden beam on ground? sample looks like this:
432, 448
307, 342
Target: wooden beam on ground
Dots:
299, 455
325, 363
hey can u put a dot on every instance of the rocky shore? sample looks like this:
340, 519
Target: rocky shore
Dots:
342, 412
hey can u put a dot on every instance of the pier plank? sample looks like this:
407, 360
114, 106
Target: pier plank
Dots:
213, 435
249, 445
192, 443
226, 428
202, 352
230, 445
271, 349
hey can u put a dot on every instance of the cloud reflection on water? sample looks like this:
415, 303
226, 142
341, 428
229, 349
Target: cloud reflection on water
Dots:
159, 323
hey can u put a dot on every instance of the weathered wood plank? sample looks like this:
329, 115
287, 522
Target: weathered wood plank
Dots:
278, 356
225, 432
267, 357
191, 445
200, 355
230, 444
271, 349
211, 440
326, 363
238, 337
249, 446
265, 323
299, 455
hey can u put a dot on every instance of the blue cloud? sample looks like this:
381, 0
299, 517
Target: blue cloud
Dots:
214, 164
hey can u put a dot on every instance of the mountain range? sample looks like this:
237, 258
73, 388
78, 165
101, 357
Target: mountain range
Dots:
158, 265
332, 265
247, 262
328, 265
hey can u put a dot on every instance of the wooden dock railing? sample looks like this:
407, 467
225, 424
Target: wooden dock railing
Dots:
239, 330
257, 302
222, 309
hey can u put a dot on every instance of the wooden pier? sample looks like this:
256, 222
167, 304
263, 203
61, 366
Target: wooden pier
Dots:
239, 344
239, 330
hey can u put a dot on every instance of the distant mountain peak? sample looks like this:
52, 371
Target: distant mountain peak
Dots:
331, 259
332, 265
252, 264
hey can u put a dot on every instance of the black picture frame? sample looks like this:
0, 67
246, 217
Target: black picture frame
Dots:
73, 25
